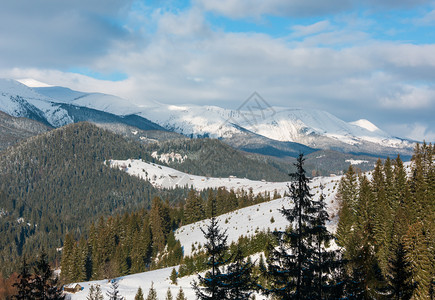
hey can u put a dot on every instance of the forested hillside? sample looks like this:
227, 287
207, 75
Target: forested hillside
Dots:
387, 227
57, 183
213, 158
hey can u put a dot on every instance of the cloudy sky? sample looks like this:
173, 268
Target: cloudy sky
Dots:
356, 59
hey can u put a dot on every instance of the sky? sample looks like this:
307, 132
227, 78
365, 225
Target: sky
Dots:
367, 59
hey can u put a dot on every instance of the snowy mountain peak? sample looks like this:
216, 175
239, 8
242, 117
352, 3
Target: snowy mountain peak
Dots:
30, 82
366, 124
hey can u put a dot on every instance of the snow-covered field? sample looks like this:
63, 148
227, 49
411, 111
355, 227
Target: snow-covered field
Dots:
241, 222
165, 177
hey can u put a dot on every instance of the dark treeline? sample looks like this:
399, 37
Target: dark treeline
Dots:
144, 240
214, 158
57, 183
387, 227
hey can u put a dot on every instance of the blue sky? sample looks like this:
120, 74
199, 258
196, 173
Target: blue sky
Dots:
356, 59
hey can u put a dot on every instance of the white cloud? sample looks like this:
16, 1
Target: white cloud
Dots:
428, 19
257, 8
181, 58
410, 97
414, 131
301, 30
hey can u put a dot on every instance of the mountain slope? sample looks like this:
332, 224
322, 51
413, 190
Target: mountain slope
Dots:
14, 130
211, 157
313, 128
58, 182
61, 106
277, 130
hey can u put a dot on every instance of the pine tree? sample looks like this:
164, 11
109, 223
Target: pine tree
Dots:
361, 250
113, 293
241, 284
169, 295
180, 295
139, 295
382, 215
173, 276
44, 285
326, 261
420, 258
67, 262
347, 198
291, 270
213, 283
23, 286
152, 294
399, 276
95, 293
194, 207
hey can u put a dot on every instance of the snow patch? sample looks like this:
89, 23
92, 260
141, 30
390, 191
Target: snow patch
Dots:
169, 157
366, 124
356, 161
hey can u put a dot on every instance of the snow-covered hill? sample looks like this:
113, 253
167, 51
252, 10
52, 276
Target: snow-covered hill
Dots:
58, 106
313, 128
245, 221
277, 123
18, 100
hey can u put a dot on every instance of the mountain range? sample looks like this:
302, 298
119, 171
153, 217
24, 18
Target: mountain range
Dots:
254, 127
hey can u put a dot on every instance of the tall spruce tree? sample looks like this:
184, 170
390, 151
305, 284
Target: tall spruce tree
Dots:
180, 295
23, 285
298, 266
169, 295
95, 293
241, 283
113, 293
399, 276
139, 294
152, 293
44, 284
214, 284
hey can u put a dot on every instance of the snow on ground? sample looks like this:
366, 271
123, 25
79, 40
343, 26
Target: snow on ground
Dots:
245, 221
356, 161
165, 177
241, 222
129, 284
169, 157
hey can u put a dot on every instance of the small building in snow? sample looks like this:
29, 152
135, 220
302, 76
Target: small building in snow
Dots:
72, 288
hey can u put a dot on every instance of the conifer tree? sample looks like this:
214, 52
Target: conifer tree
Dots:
152, 294
180, 295
297, 264
23, 286
139, 295
241, 283
399, 276
347, 197
113, 293
44, 284
67, 261
361, 251
382, 215
213, 285
95, 293
194, 207
169, 295
326, 262
173, 276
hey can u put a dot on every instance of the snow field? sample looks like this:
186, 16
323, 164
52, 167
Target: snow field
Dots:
245, 221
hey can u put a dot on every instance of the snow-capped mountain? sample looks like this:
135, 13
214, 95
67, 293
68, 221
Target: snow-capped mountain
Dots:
277, 126
58, 106
18, 100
